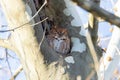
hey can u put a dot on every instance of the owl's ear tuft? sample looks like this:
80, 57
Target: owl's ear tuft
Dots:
64, 30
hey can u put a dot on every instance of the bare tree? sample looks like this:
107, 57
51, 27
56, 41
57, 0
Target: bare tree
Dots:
28, 40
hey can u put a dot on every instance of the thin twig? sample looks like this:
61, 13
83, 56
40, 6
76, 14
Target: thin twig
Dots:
45, 2
30, 25
16, 72
97, 11
39, 22
12, 57
3, 25
42, 37
92, 51
8, 61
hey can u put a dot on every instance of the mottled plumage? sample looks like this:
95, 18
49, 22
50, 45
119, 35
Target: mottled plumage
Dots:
58, 39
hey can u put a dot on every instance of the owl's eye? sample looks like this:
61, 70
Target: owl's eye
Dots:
55, 37
63, 38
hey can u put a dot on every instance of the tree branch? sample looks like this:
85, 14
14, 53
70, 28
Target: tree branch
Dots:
90, 6
16, 72
45, 2
93, 29
24, 40
92, 51
93, 25
6, 43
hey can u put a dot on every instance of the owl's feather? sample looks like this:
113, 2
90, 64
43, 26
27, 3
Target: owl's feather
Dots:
59, 40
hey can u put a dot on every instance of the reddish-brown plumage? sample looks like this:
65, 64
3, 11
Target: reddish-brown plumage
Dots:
59, 40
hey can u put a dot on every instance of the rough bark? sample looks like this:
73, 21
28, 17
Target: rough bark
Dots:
24, 40
112, 52
93, 25
46, 65
81, 68
93, 29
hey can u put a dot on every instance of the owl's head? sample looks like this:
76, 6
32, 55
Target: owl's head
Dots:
59, 32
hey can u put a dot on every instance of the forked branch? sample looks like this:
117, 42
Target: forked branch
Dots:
16, 72
6, 43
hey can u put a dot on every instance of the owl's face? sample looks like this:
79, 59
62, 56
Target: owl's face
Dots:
58, 39
59, 32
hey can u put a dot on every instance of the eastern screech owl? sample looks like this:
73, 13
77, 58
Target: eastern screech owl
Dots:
59, 40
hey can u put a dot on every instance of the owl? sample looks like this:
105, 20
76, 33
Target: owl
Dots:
59, 40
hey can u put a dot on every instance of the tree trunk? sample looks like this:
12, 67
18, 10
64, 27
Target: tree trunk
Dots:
24, 40
44, 63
